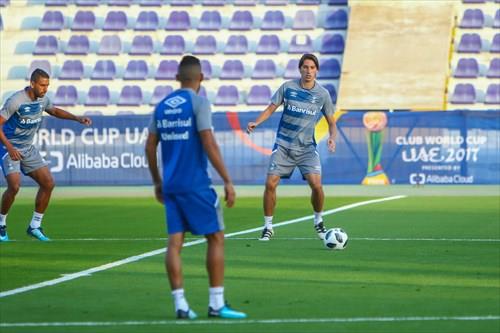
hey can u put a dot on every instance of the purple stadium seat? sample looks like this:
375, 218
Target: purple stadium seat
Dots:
473, 1
464, 93
104, 70
245, 2
467, 68
273, 20
167, 70
42, 64
332, 44
173, 44
470, 43
205, 44
66, 96
232, 70
268, 44
227, 95
275, 2
56, 2
98, 96
78, 44
331, 91
119, 3
213, 3
46, 45
1, 23
84, 21
71, 70
151, 3
130, 96
472, 19
178, 20
496, 20
142, 45
494, 69
92, 113
337, 2
236, 44
301, 44
110, 45
147, 21
87, 2
206, 69
136, 70
159, 94
181, 2
304, 20
241, 20
495, 44
115, 21
264, 69
493, 94
210, 20
336, 19
292, 69
259, 95
329, 69
308, 2
52, 20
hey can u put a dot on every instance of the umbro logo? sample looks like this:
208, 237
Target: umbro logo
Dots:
27, 109
175, 101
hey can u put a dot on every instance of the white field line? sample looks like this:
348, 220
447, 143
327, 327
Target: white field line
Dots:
249, 321
128, 260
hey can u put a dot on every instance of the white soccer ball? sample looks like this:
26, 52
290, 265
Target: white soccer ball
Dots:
336, 239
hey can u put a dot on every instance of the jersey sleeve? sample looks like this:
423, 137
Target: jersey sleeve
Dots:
328, 108
203, 114
278, 96
9, 108
152, 124
48, 103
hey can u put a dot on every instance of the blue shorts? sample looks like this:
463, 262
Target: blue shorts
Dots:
197, 212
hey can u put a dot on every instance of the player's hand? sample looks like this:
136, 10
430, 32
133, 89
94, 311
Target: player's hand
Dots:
251, 126
331, 144
229, 194
159, 193
85, 121
14, 154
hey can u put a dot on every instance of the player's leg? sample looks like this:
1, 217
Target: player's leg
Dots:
9, 195
43, 178
317, 200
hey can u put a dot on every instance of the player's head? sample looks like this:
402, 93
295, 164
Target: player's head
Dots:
189, 72
39, 82
308, 67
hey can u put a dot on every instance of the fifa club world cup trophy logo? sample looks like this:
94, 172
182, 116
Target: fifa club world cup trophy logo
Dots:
375, 122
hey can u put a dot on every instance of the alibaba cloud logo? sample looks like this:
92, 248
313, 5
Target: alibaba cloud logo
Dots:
417, 178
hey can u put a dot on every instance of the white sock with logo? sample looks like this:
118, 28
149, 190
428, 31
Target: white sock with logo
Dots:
216, 297
3, 220
180, 301
36, 220
268, 222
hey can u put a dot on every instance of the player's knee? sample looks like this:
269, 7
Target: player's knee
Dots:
317, 187
13, 188
271, 185
48, 185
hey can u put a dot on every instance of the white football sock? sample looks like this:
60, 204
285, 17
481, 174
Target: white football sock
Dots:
268, 222
318, 217
36, 220
3, 220
216, 297
180, 301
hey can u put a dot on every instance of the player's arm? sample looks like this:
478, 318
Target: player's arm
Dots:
62, 114
151, 144
212, 149
262, 117
14, 154
332, 130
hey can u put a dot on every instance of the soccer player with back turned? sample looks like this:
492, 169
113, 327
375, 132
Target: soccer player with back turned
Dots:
182, 123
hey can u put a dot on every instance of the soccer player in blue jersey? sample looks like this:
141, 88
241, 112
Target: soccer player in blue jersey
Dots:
182, 123
305, 101
20, 119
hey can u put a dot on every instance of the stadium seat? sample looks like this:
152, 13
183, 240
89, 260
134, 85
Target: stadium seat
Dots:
150, 3
332, 44
337, 2
493, 94
87, 3
56, 3
71, 70
304, 20
329, 69
98, 96
142, 45
472, 19
213, 3
181, 2
205, 44
245, 2
301, 44
268, 44
136, 70
308, 2
1, 23
167, 70
104, 70
42, 64
125, 113
470, 43
467, 68
464, 93
292, 70
46, 45
130, 96
66, 96
147, 21
275, 2
495, 44
331, 91
264, 69
232, 70
178, 20
336, 20
241, 20
110, 45
496, 20
473, 1
92, 113
227, 96
494, 69
259, 95
159, 94
273, 20
210, 20
236, 45
173, 44
125, 3
78, 45
52, 20
115, 21
206, 69
84, 21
